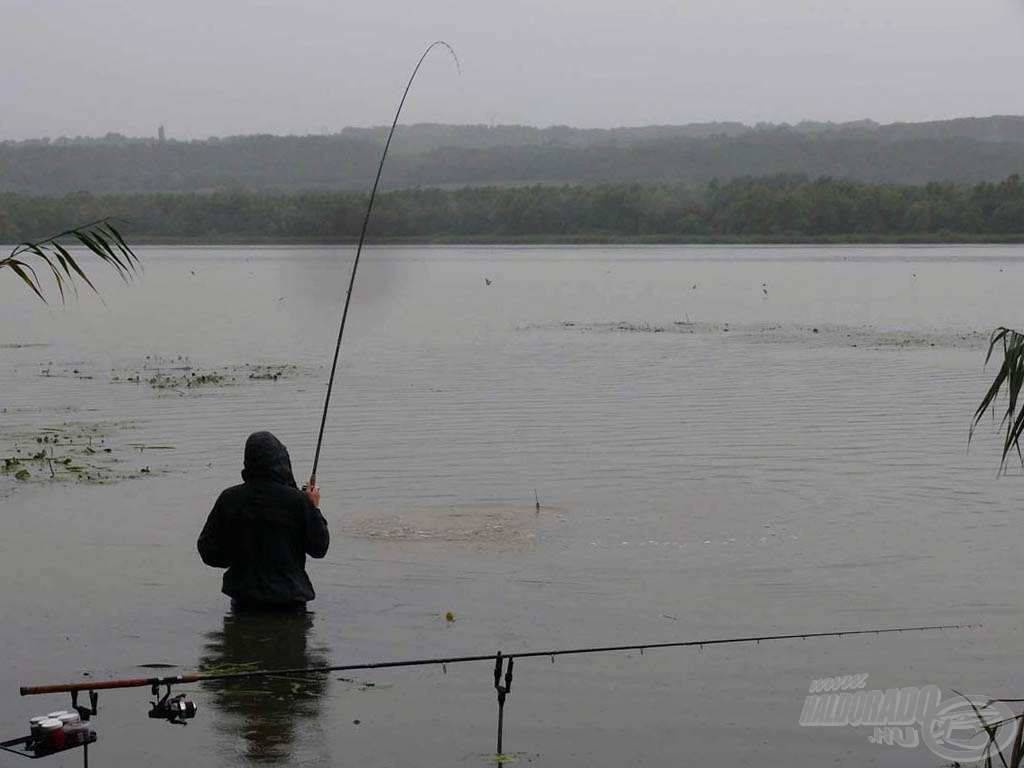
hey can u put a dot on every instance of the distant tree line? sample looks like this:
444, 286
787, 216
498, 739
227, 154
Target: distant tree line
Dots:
966, 151
778, 207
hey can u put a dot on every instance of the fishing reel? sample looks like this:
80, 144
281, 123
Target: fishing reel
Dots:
176, 710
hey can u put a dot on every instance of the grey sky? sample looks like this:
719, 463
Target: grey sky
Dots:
222, 67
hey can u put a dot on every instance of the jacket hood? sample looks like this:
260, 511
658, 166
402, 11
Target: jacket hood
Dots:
266, 458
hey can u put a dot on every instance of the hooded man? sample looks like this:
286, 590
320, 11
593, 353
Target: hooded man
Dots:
262, 530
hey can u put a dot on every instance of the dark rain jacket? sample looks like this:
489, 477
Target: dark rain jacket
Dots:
262, 530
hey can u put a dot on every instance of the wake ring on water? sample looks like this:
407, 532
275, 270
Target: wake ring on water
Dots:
491, 524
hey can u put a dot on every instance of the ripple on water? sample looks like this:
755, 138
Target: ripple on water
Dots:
480, 525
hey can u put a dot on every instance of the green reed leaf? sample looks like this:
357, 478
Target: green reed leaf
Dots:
100, 238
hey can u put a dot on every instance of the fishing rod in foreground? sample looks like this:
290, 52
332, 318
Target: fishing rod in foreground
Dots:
179, 709
139, 682
359, 247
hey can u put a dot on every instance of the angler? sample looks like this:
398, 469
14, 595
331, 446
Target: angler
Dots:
261, 531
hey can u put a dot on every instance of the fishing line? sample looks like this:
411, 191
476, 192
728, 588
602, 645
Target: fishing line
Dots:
359, 248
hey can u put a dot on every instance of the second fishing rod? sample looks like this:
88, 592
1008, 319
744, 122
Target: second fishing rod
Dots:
179, 709
94, 685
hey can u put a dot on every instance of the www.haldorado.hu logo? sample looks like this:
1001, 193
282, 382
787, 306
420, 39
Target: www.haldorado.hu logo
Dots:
953, 728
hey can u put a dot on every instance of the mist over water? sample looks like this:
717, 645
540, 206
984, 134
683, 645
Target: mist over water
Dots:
724, 441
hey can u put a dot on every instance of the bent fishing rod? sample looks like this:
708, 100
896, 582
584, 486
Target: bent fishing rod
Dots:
97, 685
359, 247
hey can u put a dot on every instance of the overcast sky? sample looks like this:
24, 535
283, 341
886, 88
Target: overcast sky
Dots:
224, 67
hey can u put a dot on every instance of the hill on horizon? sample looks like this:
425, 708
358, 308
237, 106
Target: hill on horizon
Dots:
967, 150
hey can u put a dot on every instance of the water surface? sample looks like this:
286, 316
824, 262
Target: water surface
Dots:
724, 441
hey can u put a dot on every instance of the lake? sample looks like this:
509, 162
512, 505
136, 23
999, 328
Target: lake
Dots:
724, 441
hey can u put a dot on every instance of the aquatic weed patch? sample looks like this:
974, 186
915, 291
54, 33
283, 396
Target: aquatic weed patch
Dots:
817, 335
177, 373
271, 372
70, 452
187, 379
228, 667
180, 374
70, 371
366, 685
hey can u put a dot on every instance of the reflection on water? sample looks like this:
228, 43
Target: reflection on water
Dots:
260, 718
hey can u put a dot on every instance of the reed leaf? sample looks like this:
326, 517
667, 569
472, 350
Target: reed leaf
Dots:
991, 730
25, 272
1009, 379
100, 238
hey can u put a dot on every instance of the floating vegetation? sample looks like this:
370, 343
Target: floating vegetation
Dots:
372, 686
188, 379
366, 685
503, 757
271, 372
37, 446
47, 371
228, 667
818, 335
180, 374
638, 327
72, 452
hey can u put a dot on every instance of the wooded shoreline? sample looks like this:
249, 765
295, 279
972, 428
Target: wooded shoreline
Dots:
540, 240
777, 209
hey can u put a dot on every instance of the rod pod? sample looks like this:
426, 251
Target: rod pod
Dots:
503, 691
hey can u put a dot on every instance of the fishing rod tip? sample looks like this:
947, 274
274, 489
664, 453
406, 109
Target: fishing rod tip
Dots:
451, 50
